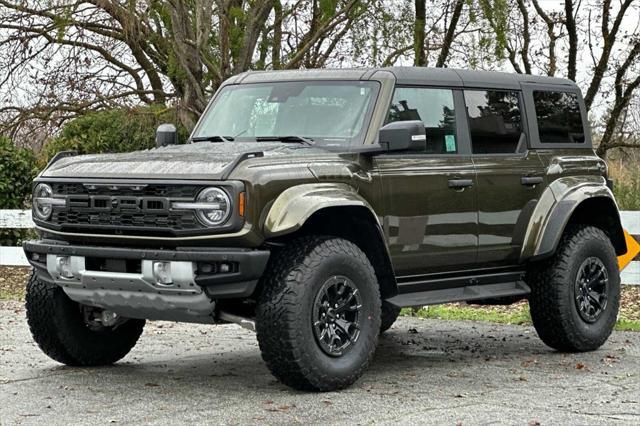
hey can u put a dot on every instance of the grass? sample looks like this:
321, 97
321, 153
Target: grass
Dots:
626, 187
517, 314
11, 295
12, 282
514, 315
627, 325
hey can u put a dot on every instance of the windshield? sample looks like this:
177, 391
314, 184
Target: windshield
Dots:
325, 112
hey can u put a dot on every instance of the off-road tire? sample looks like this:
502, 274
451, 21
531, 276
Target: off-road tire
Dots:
552, 301
284, 313
58, 327
389, 316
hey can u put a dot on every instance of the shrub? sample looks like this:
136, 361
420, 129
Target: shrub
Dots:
626, 184
17, 170
114, 130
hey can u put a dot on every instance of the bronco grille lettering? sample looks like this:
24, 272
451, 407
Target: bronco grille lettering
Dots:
119, 203
124, 208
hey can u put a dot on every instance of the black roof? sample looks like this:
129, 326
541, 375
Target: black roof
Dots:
408, 75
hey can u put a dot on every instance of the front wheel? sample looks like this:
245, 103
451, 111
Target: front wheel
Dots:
75, 334
318, 316
575, 296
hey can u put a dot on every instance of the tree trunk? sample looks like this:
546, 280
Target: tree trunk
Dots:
449, 36
419, 34
570, 24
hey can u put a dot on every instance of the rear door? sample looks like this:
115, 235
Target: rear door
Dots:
510, 176
430, 216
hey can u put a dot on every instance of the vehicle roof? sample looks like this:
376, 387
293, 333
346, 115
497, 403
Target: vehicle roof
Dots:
406, 75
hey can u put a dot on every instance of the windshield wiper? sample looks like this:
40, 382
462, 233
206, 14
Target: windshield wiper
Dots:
212, 138
286, 139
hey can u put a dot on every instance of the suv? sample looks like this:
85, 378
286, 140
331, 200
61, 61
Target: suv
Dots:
311, 206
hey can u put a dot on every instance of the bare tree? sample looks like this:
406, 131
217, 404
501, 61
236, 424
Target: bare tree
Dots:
179, 51
579, 29
627, 81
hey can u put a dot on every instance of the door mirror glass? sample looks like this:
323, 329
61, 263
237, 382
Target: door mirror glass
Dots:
166, 134
403, 136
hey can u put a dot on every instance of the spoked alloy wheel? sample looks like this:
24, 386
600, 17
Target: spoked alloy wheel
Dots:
575, 294
336, 315
318, 315
591, 289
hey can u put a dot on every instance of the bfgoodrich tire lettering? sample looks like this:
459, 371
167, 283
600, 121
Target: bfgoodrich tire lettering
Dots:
58, 327
554, 310
284, 316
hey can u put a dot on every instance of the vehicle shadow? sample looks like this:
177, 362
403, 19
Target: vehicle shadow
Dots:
241, 369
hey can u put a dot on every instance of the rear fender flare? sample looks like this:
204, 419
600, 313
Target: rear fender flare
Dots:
555, 208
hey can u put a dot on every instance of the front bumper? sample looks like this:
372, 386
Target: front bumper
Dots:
127, 281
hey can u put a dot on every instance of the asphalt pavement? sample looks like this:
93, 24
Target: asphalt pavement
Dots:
425, 372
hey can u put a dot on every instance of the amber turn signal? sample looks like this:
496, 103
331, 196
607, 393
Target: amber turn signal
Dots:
241, 204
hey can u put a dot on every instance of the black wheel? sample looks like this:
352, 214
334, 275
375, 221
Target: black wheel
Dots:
318, 315
389, 316
575, 296
75, 334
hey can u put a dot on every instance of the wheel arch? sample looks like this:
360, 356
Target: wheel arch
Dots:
585, 204
295, 205
336, 210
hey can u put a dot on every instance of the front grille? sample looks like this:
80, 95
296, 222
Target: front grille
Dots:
124, 208
175, 221
154, 190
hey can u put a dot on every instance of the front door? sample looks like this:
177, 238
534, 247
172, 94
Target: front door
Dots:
430, 216
510, 177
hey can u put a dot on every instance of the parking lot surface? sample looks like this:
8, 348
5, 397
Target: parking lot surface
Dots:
425, 371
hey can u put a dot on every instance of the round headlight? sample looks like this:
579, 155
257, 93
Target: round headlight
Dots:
220, 206
41, 207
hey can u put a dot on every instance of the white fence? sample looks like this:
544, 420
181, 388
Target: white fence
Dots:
22, 219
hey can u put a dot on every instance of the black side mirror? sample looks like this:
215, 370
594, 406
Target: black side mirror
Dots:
167, 134
403, 136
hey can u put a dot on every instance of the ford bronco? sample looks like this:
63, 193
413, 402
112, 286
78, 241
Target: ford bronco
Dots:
311, 206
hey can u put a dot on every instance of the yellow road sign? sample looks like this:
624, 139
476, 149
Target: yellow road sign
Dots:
633, 248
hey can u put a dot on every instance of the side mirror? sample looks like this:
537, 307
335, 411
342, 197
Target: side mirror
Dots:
166, 134
403, 136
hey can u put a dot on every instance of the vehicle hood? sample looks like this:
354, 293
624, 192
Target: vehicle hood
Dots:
202, 160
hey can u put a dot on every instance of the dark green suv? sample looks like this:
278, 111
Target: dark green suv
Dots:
312, 205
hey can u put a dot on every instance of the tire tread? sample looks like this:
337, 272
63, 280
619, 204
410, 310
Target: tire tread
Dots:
551, 309
279, 334
52, 326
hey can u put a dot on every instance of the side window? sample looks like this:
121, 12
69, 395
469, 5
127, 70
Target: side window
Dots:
434, 107
495, 122
558, 115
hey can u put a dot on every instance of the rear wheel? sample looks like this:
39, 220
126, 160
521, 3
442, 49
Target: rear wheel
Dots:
575, 296
390, 314
76, 334
318, 316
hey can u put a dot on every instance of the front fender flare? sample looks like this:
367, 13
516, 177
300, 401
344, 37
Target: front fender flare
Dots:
295, 205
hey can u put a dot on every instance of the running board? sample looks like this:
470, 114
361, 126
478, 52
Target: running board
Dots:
460, 294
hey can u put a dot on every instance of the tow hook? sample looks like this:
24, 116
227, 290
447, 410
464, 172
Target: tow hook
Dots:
97, 319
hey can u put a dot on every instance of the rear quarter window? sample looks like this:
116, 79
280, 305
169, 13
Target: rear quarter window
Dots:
559, 118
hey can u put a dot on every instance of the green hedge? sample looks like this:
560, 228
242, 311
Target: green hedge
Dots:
115, 130
17, 170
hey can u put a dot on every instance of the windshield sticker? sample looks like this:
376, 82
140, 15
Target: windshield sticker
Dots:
450, 143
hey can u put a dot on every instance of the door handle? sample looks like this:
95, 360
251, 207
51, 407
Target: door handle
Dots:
460, 183
531, 180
